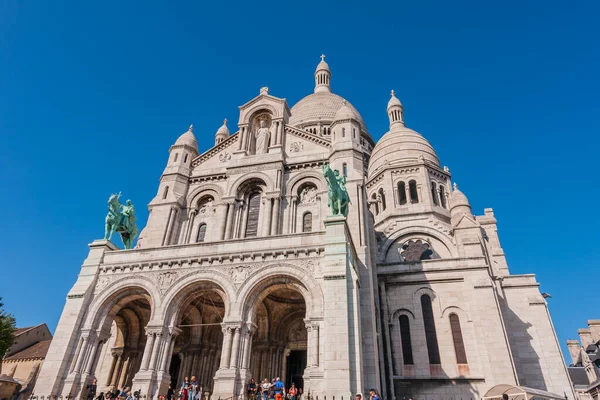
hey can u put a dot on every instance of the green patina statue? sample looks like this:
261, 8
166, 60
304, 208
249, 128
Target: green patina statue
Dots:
121, 218
338, 195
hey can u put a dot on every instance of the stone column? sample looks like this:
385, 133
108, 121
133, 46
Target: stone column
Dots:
275, 220
112, 369
235, 352
244, 218
266, 228
168, 354
222, 218
313, 344
407, 191
247, 348
114, 381
122, 379
92, 356
82, 351
190, 228
226, 351
155, 351
147, 350
230, 214
280, 133
242, 137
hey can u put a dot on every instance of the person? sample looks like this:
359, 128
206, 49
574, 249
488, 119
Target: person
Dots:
374, 395
129, 395
504, 396
300, 392
184, 388
100, 396
251, 389
293, 392
272, 389
279, 389
123, 394
193, 389
265, 389
92, 389
358, 396
170, 392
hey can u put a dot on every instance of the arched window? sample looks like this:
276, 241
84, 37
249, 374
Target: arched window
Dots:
407, 354
459, 344
176, 156
253, 211
412, 188
307, 222
354, 133
343, 132
375, 204
201, 233
166, 192
402, 193
434, 193
345, 169
382, 197
430, 333
442, 196
185, 159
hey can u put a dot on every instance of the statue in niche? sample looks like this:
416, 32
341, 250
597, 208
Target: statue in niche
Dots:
262, 135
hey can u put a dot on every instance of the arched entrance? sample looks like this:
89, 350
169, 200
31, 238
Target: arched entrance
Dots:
198, 312
279, 345
121, 339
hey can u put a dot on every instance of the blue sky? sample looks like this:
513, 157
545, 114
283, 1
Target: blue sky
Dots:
93, 94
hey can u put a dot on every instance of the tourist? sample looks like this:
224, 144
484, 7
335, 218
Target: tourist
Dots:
272, 390
358, 396
170, 392
251, 389
123, 394
184, 389
279, 389
101, 396
293, 392
265, 389
193, 389
300, 393
374, 395
92, 389
129, 396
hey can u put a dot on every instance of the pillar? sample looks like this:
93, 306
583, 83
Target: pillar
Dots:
230, 214
235, 352
147, 351
313, 344
226, 352
123, 376
112, 369
155, 351
92, 356
222, 218
266, 228
114, 381
244, 218
167, 355
82, 351
190, 227
275, 220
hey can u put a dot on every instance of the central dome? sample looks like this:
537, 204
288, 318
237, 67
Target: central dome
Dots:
401, 145
320, 107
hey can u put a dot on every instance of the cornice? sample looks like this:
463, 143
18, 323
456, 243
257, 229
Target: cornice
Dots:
308, 136
216, 149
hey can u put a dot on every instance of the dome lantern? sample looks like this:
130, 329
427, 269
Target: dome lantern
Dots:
395, 111
222, 133
322, 77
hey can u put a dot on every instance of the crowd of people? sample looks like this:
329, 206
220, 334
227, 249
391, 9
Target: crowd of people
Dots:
191, 390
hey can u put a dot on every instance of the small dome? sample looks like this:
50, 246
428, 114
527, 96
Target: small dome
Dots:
188, 139
320, 107
458, 199
322, 66
346, 112
223, 130
394, 101
400, 145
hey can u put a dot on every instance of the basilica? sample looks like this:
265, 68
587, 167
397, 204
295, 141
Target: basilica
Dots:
243, 271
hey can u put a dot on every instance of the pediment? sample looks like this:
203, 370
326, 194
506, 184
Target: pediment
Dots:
218, 156
466, 222
277, 107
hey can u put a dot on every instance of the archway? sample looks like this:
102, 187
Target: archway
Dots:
122, 337
198, 311
279, 345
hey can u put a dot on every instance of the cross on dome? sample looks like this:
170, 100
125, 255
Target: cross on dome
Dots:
191, 128
322, 57
455, 186
393, 93
225, 121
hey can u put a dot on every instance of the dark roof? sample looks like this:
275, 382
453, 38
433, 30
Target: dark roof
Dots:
37, 350
578, 376
18, 331
592, 348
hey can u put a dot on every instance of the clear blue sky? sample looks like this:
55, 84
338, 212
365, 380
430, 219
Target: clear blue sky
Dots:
92, 94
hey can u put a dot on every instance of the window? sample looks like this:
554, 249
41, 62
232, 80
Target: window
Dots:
405, 339
412, 188
430, 333
176, 156
185, 159
253, 211
307, 222
434, 193
382, 198
166, 192
354, 133
442, 196
459, 344
345, 169
201, 233
343, 132
402, 193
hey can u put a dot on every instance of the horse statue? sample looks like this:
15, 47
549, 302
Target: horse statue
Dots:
121, 219
338, 198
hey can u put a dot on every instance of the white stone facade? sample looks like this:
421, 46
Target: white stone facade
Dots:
241, 272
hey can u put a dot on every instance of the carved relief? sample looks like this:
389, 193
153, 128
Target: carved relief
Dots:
308, 195
298, 333
239, 274
165, 280
296, 147
103, 283
224, 157
207, 209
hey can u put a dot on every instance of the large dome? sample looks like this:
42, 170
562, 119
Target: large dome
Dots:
320, 107
398, 146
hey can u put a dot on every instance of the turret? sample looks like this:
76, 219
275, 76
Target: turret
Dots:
459, 206
395, 111
222, 134
322, 77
